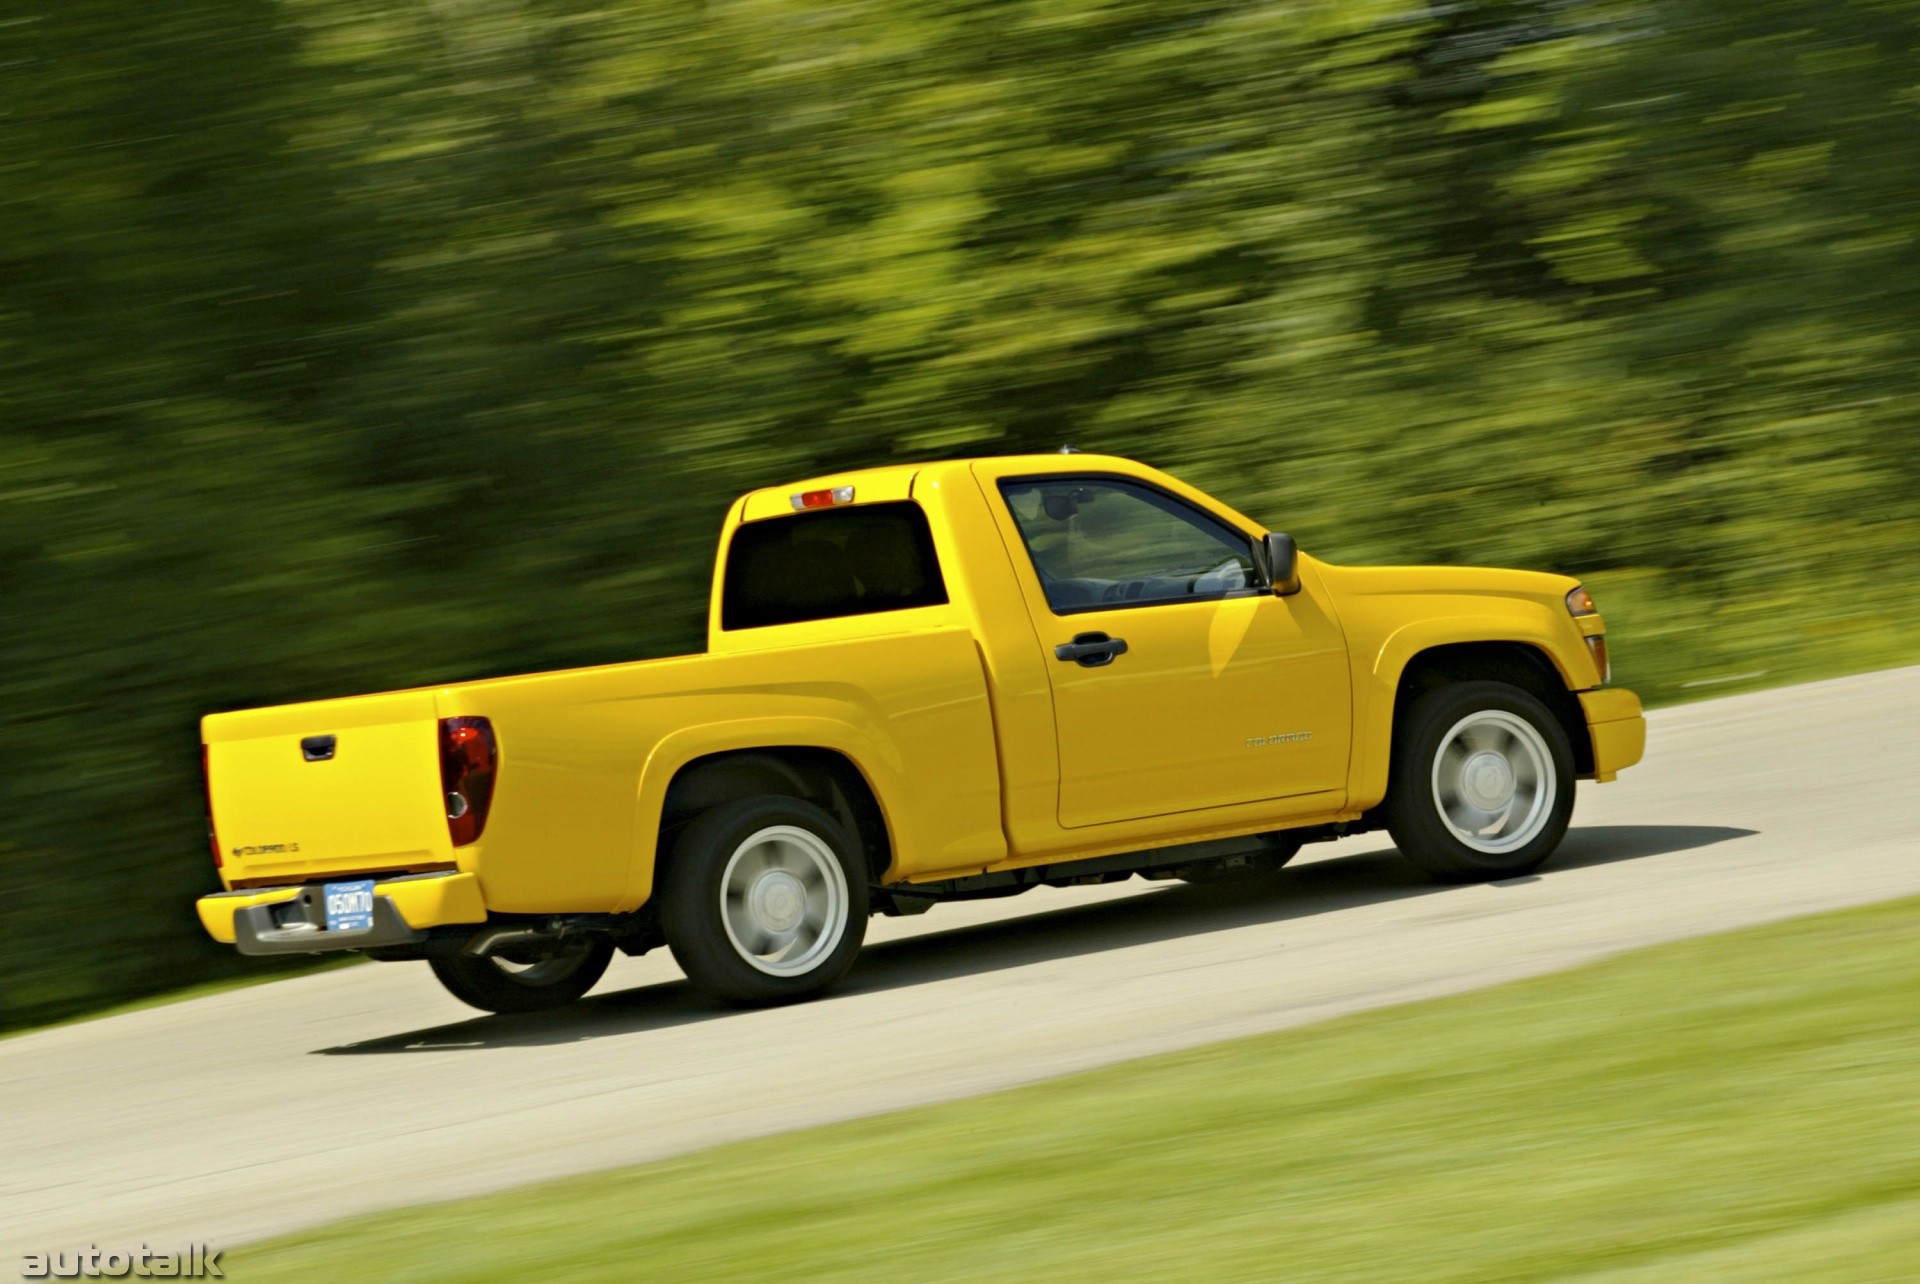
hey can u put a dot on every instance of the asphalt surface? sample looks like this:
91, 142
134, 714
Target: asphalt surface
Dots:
275, 1107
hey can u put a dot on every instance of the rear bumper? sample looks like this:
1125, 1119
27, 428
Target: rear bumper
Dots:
290, 920
1618, 729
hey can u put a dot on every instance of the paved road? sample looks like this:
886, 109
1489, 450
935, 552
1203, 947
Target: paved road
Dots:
262, 1110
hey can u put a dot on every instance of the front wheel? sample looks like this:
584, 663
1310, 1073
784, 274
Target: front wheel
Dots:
765, 900
500, 984
1482, 782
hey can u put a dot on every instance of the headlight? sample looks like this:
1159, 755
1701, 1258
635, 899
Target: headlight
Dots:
1580, 602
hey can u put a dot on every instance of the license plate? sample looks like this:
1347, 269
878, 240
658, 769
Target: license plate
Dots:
350, 906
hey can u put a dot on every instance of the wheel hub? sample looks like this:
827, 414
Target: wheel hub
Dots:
777, 900
783, 900
1486, 779
1493, 781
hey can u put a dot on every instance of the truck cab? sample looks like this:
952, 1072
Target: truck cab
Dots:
922, 683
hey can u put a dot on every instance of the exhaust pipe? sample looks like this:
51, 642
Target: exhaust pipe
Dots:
493, 938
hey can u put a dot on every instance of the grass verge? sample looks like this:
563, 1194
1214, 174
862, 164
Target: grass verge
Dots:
1742, 1107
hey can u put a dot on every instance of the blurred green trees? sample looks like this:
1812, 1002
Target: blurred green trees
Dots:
349, 344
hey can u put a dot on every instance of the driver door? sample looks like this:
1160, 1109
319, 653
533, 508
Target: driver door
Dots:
1222, 692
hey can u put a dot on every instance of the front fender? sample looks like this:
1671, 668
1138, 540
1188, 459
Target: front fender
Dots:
1377, 671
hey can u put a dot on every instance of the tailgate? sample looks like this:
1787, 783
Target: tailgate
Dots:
284, 811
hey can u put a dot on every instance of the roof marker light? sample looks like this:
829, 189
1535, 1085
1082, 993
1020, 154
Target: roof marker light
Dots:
823, 498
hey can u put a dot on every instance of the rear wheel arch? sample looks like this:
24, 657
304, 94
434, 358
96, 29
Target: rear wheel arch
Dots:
826, 778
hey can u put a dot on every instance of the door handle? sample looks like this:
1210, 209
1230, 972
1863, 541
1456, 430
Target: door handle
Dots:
1091, 650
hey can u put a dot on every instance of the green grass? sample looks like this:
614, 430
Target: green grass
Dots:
1738, 1107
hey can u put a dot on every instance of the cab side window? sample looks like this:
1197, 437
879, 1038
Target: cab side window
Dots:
1104, 541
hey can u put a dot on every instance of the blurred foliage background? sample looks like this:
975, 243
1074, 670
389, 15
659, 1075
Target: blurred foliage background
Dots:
353, 344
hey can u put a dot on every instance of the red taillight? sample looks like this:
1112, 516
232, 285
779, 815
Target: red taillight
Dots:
206, 780
468, 757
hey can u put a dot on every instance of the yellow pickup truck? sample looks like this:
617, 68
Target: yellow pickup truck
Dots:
922, 683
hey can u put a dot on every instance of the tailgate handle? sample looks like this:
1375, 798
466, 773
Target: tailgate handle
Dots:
317, 748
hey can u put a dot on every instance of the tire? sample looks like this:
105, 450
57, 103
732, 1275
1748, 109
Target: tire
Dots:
1276, 849
1479, 752
765, 901
494, 984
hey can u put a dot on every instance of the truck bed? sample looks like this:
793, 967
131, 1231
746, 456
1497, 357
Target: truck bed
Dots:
585, 756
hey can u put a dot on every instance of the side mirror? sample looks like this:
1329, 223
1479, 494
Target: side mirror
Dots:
1282, 563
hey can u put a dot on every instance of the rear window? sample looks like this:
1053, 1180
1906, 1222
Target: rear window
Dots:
837, 561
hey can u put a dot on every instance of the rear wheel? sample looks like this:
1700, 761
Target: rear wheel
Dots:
498, 983
765, 900
1482, 782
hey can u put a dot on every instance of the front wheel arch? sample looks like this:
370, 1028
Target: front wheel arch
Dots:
1517, 664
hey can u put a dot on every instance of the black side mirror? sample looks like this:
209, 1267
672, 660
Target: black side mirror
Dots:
1282, 563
